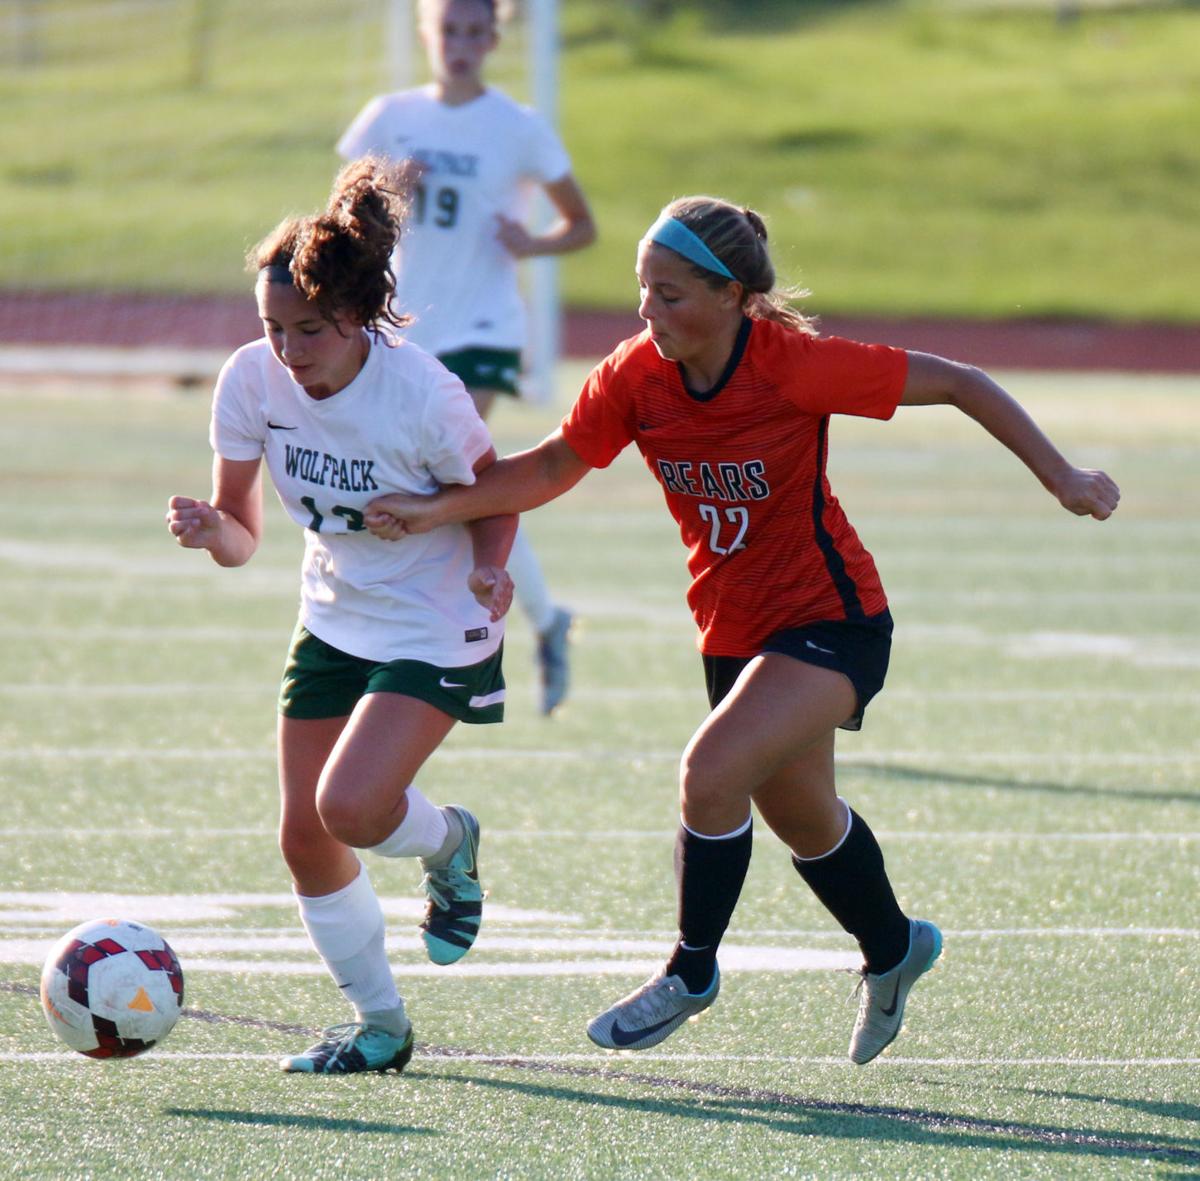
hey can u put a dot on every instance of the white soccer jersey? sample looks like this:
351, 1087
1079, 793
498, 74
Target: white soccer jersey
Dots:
404, 424
479, 159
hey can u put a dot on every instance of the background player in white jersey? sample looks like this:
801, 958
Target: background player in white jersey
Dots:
473, 157
395, 642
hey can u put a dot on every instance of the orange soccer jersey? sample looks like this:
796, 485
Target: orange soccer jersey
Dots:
742, 468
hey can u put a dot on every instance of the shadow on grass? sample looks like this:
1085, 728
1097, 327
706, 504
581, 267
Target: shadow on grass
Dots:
1188, 1112
925, 774
802, 1116
310, 1123
815, 139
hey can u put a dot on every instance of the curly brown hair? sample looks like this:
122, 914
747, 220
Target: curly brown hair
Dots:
738, 237
340, 260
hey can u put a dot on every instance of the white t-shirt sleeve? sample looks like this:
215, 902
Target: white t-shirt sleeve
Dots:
454, 436
362, 136
236, 430
547, 159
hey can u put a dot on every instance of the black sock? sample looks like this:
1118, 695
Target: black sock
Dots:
710, 872
853, 886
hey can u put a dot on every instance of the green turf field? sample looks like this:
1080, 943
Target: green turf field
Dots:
948, 157
1031, 769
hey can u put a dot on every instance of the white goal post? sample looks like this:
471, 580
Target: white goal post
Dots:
541, 31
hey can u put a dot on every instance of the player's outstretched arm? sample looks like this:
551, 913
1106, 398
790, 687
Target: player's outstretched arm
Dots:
936, 381
230, 525
513, 484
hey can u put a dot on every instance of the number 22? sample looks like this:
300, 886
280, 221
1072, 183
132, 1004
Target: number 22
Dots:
737, 516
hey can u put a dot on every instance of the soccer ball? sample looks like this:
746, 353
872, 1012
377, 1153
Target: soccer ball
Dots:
112, 989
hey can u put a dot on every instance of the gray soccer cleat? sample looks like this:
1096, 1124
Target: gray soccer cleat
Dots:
553, 660
881, 998
650, 1014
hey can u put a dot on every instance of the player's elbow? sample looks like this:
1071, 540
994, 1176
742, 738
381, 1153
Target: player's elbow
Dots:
584, 232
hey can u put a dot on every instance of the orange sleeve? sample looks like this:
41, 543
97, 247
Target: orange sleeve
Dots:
601, 423
831, 375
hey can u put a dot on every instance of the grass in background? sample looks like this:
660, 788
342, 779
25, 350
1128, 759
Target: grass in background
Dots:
1031, 768
911, 157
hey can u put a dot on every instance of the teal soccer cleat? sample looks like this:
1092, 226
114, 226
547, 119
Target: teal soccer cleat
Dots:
455, 908
351, 1049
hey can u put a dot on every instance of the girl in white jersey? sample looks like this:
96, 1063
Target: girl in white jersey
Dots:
472, 155
395, 641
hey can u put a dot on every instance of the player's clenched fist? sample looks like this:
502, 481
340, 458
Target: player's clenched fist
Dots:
193, 523
395, 515
1088, 493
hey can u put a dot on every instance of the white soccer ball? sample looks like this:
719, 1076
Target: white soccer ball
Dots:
112, 988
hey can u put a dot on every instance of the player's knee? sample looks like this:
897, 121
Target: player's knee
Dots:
348, 819
702, 780
301, 854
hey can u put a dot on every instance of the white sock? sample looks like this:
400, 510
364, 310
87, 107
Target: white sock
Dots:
530, 589
721, 836
394, 1021
421, 833
347, 928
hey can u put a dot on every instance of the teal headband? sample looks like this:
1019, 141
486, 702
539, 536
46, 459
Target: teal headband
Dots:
674, 235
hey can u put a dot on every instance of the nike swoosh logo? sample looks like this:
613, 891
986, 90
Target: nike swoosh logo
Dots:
445, 684
895, 995
473, 872
818, 648
625, 1037
275, 426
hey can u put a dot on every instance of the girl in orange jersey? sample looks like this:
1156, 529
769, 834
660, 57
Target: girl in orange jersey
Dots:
727, 394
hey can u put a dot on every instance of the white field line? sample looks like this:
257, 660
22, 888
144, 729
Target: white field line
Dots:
177, 572
930, 759
32, 953
219, 917
1067, 696
1150, 652
631, 958
735, 956
535, 938
1042, 598
80, 561
1034, 559
649, 623
986, 527
200, 634
75, 907
164, 1056
607, 836
276, 587
30, 560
